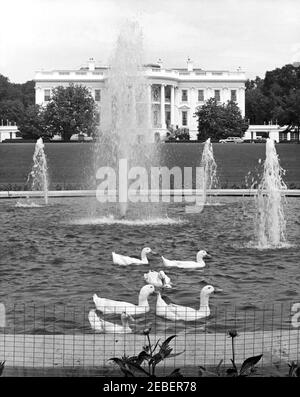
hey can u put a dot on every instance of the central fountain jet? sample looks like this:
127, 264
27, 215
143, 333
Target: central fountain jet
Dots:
125, 115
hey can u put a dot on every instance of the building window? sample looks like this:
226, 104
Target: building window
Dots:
155, 118
47, 95
97, 117
294, 136
217, 95
233, 95
184, 95
200, 96
97, 95
184, 118
155, 93
168, 93
282, 136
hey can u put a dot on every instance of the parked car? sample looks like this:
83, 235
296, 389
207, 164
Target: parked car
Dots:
260, 140
256, 140
232, 139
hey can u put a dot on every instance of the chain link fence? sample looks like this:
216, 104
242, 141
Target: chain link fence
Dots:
67, 340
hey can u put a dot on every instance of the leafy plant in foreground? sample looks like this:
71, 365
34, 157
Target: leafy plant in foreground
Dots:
247, 366
294, 370
152, 354
1, 367
246, 369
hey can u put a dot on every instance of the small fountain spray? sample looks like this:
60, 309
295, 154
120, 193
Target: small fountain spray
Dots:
38, 176
208, 162
270, 200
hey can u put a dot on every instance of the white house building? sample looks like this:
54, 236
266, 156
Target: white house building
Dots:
174, 93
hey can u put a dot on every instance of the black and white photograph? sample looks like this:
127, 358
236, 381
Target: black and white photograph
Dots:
149, 192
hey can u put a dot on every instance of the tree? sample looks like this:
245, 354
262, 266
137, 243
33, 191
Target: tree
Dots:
257, 105
11, 110
282, 88
276, 97
28, 93
234, 123
15, 98
71, 110
32, 124
217, 121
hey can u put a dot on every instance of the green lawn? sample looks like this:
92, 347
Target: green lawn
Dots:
70, 164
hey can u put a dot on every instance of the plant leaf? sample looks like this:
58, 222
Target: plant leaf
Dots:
1, 367
175, 354
167, 341
208, 374
137, 359
142, 357
158, 357
249, 363
176, 373
137, 367
122, 366
218, 367
293, 367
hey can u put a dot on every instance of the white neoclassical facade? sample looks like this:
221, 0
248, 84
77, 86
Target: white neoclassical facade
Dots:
174, 93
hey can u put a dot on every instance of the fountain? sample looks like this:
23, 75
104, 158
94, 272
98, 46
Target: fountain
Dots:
209, 165
125, 121
38, 176
270, 200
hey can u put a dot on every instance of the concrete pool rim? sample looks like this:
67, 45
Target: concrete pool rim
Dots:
10, 194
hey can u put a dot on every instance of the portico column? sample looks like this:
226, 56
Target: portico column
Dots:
149, 94
241, 100
162, 107
172, 107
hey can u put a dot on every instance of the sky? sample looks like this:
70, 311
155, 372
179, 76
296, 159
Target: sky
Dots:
256, 35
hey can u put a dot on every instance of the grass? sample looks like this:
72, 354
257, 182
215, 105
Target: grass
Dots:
70, 164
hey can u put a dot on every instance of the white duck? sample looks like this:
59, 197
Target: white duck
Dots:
174, 312
111, 306
127, 260
158, 279
188, 264
105, 327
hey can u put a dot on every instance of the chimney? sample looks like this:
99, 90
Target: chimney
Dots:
189, 64
159, 62
91, 64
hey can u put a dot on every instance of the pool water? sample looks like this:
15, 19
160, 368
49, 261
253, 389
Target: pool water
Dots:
54, 258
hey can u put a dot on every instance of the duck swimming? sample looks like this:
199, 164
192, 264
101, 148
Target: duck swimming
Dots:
127, 260
105, 327
188, 264
111, 306
174, 312
158, 279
